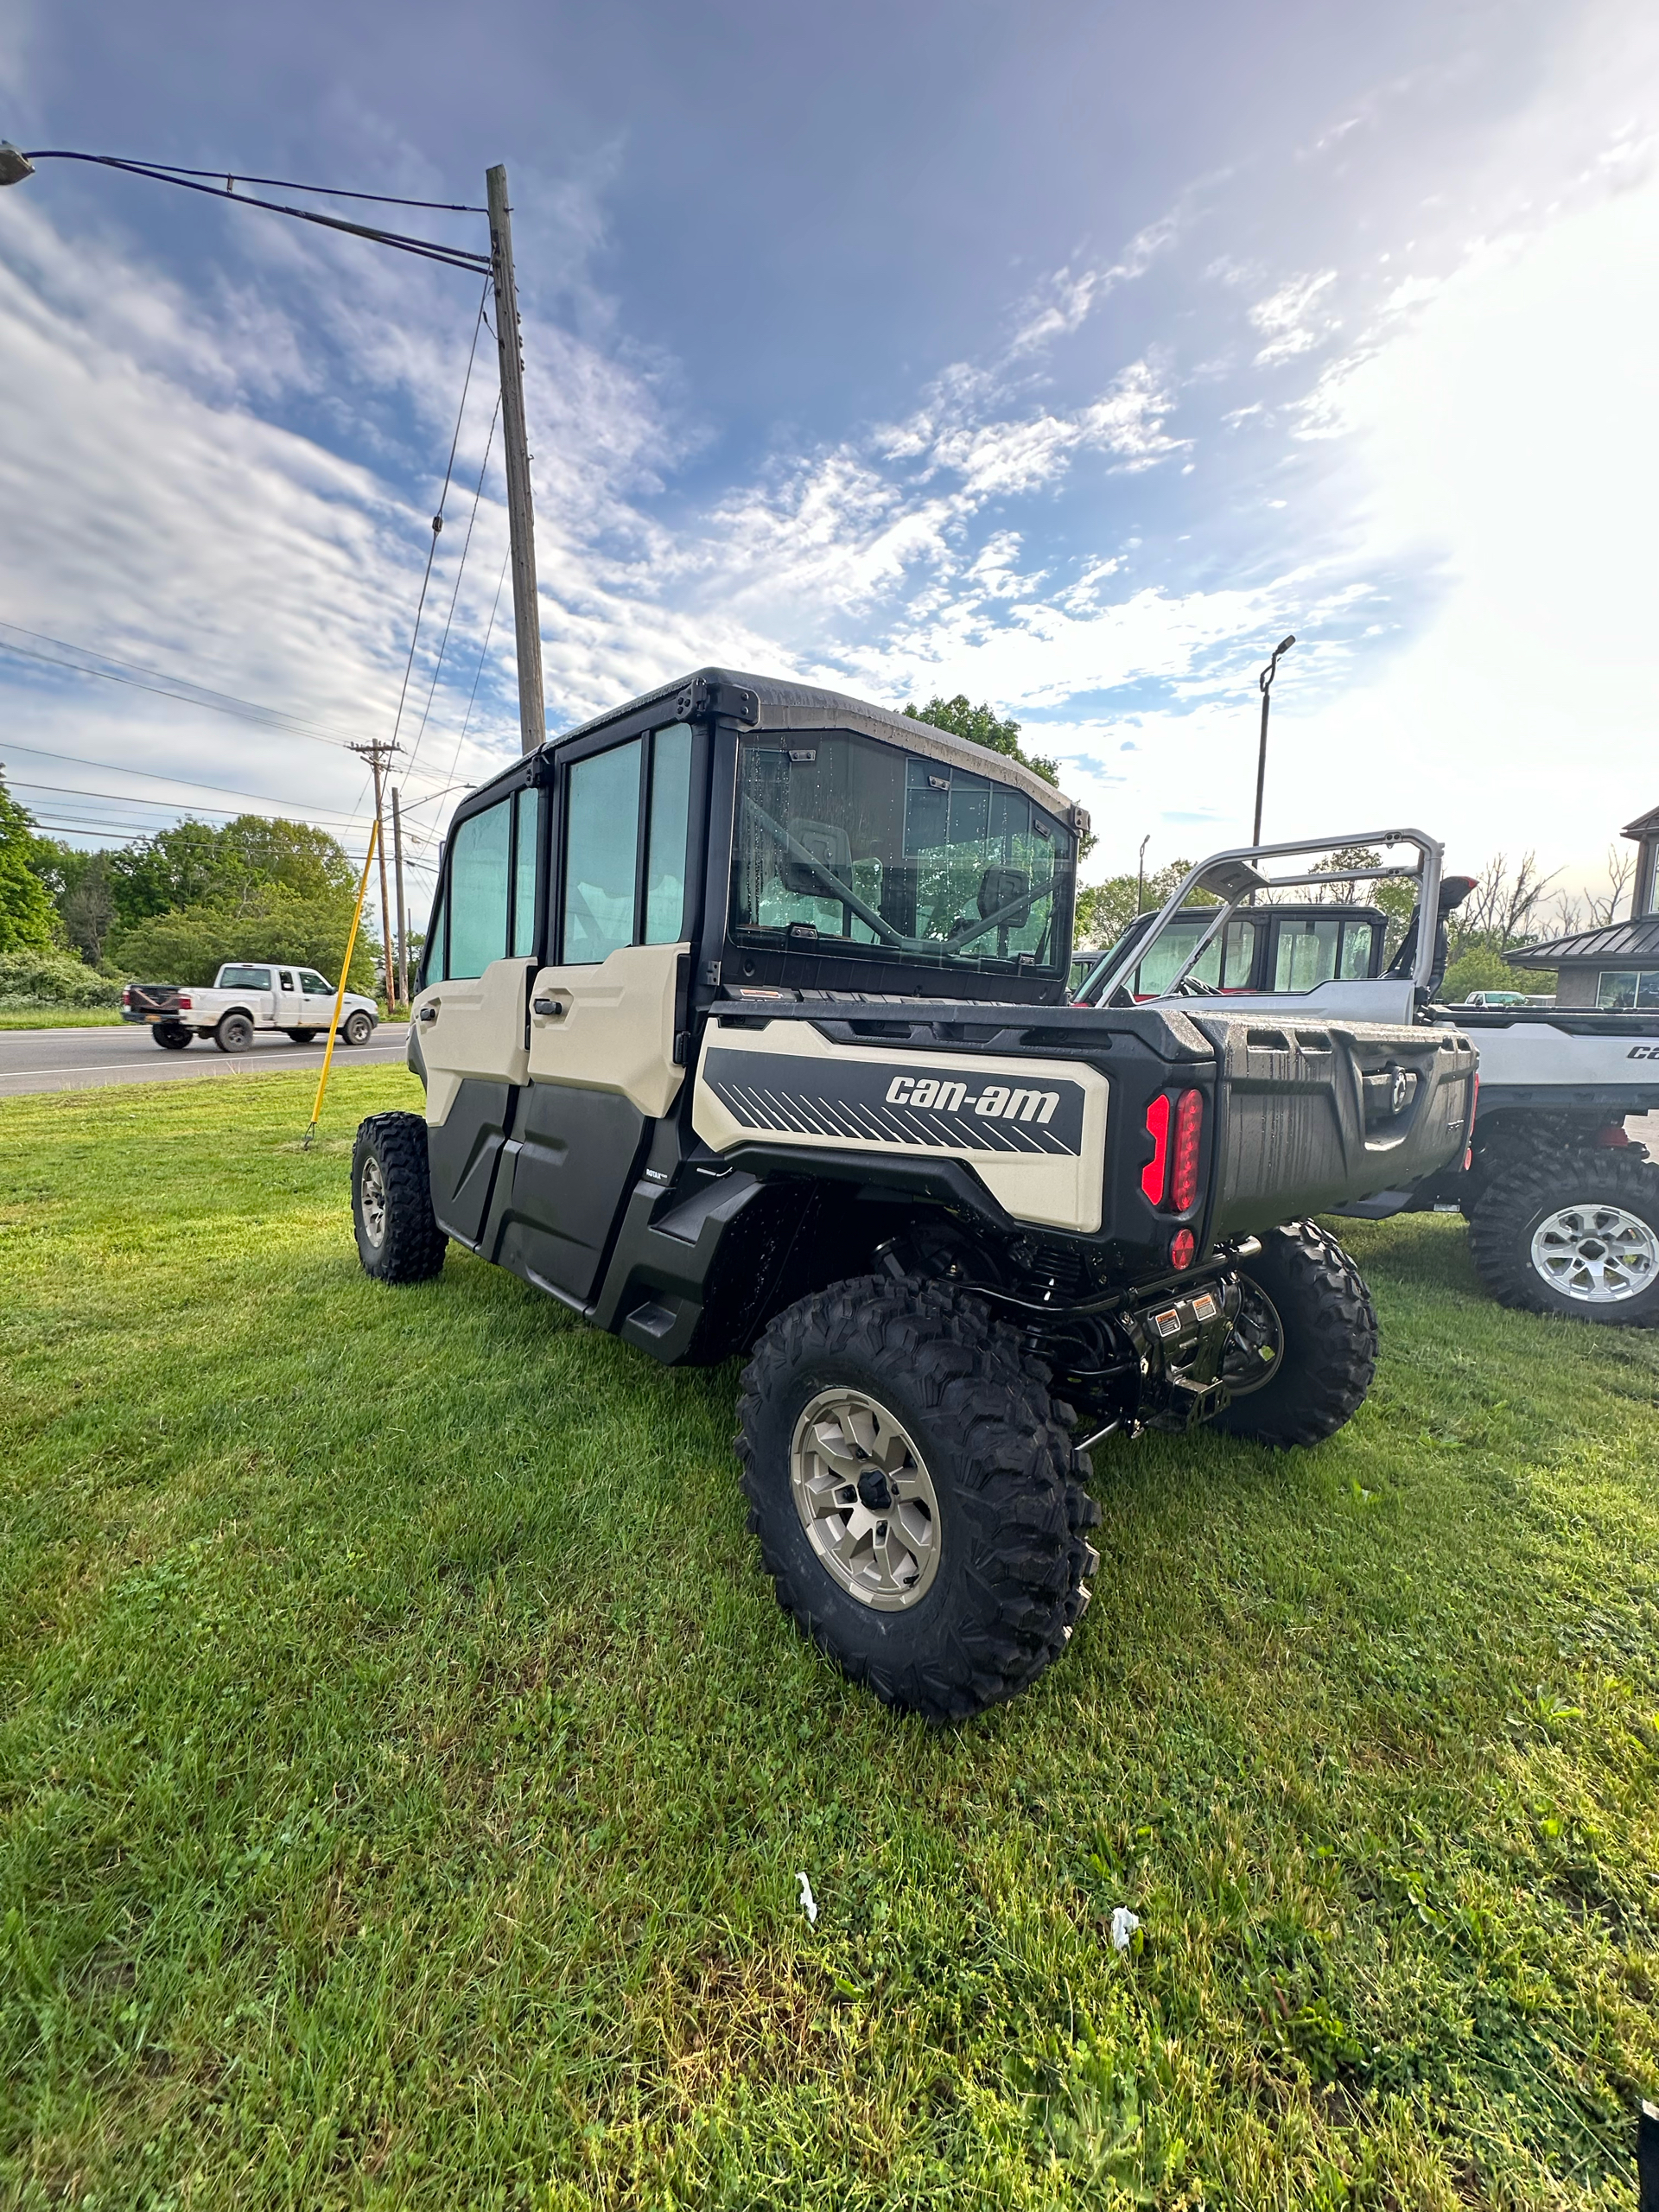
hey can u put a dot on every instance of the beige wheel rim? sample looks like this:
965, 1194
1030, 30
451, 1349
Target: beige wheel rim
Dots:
866, 1499
371, 1193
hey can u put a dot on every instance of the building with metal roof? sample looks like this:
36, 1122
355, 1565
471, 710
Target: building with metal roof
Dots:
1615, 968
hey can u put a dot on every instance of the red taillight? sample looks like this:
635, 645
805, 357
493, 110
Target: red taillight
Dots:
1182, 1245
185, 1002
126, 993
1189, 1121
1153, 1173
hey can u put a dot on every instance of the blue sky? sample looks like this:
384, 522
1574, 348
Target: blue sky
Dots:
1067, 356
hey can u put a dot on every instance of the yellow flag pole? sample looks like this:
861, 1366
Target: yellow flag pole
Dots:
339, 996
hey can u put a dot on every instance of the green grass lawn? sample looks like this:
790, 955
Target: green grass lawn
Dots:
59, 1017
404, 1769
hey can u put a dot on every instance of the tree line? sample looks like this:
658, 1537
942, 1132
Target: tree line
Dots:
171, 908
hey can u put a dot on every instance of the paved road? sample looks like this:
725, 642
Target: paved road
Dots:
77, 1060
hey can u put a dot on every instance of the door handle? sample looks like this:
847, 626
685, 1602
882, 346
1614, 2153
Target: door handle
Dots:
550, 1009
429, 1012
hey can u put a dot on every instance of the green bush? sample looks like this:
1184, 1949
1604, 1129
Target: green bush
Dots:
33, 976
1481, 970
190, 944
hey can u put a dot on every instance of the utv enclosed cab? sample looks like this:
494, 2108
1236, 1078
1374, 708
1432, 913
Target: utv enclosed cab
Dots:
743, 1019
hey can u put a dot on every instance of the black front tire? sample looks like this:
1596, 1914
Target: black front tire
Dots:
1595, 1187
1307, 1302
399, 1239
234, 1033
171, 1036
357, 1028
1009, 1582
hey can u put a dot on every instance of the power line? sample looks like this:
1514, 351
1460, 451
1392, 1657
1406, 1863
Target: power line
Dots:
137, 798
150, 679
152, 776
428, 249
139, 677
437, 519
162, 170
449, 620
483, 656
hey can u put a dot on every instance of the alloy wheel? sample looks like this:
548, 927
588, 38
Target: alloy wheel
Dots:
1596, 1254
866, 1499
371, 1196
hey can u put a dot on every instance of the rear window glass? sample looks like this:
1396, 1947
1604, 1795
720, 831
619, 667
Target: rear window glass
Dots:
245, 979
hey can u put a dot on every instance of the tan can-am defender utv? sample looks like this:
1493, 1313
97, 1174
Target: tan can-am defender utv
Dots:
744, 1027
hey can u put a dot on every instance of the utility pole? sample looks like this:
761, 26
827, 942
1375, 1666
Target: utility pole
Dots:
1265, 680
378, 756
521, 520
397, 869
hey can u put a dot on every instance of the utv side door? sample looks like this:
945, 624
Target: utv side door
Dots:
607, 1010
471, 1014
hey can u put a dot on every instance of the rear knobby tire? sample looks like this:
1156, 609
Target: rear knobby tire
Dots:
1008, 1584
399, 1239
1320, 1310
1562, 1202
171, 1036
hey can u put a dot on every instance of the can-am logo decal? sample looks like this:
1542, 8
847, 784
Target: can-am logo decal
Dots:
868, 1103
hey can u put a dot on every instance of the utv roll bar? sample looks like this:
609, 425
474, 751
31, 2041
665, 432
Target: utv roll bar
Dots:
1233, 877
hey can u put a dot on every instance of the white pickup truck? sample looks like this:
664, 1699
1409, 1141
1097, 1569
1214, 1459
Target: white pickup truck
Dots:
244, 996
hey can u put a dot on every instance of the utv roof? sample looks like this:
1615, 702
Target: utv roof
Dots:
785, 706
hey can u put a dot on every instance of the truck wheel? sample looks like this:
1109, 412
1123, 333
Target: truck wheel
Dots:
234, 1033
918, 1500
1304, 1349
299, 1036
171, 1036
357, 1028
1576, 1234
398, 1238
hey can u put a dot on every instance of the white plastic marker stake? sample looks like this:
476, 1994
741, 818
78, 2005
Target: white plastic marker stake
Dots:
808, 1902
1124, 1923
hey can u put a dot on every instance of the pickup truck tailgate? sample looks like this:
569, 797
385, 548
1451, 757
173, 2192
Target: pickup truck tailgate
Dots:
1312, 1115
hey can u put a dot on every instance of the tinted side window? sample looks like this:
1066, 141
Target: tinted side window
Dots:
671, 802
1307, 955
527, 847
602, 852
1356, 940
477, 892
432, 951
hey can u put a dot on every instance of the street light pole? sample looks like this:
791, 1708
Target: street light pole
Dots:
1141, 874
1265, 681
521, 521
